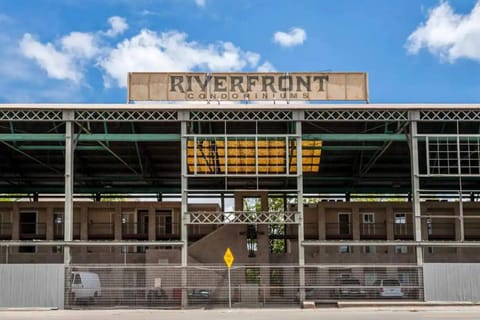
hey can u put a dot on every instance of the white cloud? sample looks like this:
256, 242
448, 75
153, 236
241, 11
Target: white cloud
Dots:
57, 64
80, 44
266, 67
447, 34
294, 37
201, 3
170, 51
65, 61
71, 55
118, 25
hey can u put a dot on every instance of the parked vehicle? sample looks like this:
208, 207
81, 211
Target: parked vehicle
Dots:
388, 288
199, 296
157, 296
348, 288
85, 287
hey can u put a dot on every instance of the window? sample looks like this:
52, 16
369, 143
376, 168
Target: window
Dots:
400, 218
401, 249
344, 249
368, 217
77, 279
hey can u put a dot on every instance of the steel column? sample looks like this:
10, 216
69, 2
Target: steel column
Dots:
184, 206
301, 236
417, 221
69, 169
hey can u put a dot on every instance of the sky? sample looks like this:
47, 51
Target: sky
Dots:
71, 51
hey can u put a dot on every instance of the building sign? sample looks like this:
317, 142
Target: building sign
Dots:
193, 86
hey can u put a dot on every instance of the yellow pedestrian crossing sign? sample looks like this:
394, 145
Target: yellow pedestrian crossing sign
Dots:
228, 258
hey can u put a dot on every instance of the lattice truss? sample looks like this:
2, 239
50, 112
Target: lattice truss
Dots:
243, 217
145, 115
250, 155
356, 115
241, 115
463, 115
453, 155
29, 115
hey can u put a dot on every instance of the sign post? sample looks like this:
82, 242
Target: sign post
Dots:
229, 258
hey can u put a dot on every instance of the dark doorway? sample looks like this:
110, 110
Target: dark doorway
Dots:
28, 229
344, 223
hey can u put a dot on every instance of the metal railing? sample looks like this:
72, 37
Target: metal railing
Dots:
138, 231
99, 231
372, 231
5, 231
472, 230
338, 231
403, 231
32, 231
58, 231
441, 230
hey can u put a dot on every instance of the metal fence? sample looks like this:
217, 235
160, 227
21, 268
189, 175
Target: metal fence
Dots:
156, 286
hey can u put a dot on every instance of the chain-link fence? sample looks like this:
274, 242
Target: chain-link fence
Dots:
156, 286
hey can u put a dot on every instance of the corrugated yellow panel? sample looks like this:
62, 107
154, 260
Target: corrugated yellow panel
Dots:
241, 152
271, 161
241, 161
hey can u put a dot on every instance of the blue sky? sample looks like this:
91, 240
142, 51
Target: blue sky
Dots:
415, 51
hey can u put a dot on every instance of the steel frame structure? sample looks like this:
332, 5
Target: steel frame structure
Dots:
70, 115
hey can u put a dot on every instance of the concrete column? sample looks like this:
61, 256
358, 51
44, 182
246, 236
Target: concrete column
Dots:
117, 224
49, 223
390, 220
356, 223
83, 229
152, 232
321, 221
15, 222
84, 222
322, 232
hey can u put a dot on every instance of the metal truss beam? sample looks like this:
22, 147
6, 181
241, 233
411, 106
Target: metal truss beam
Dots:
243, 217
355, 115
113, 153
43, 164
380, 152
169, 137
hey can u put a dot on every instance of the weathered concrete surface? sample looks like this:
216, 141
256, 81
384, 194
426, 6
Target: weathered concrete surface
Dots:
413, 313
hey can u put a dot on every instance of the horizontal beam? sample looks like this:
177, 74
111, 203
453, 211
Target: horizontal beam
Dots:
126, 137
79, 243
169, 137
356, 137
60, 148
321, 243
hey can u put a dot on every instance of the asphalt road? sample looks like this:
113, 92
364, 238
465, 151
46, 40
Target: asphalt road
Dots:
405, 313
